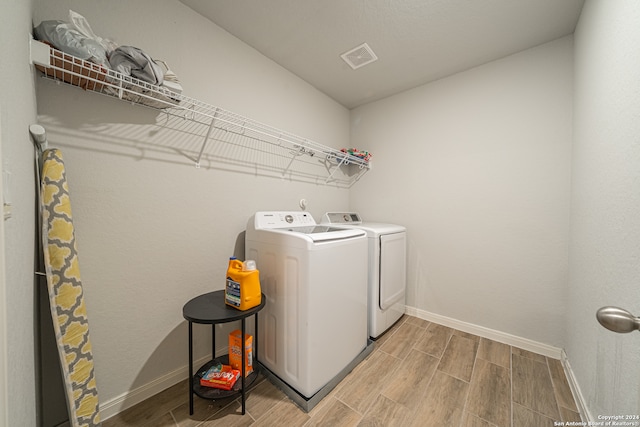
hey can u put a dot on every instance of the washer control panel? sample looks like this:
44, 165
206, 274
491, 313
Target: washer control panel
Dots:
283, 219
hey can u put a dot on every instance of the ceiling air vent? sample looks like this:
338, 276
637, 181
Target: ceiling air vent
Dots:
359, 56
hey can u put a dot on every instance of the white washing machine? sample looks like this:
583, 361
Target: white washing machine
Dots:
313, 328
387, 278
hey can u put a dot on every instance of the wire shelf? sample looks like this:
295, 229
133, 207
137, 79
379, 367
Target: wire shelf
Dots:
93, 77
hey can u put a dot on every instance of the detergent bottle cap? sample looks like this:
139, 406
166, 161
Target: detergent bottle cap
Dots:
249, 265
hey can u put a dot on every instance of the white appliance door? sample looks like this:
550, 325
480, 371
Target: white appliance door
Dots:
393, 270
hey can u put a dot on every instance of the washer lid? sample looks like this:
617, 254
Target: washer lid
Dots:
352, 219
300, 224
319, 233
377, 228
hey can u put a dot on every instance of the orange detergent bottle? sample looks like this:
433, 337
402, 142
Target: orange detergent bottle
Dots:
243, 285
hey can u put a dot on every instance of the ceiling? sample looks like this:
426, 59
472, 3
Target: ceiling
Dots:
416, 41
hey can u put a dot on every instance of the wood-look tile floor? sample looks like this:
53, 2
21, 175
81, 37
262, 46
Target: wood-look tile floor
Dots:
419, 374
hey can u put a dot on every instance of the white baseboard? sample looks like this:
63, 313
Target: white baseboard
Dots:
126, 400
503, 337
577, 393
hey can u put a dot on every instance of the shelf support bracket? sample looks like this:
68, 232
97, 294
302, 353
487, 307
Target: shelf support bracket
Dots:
344, 158
293, 157
38, 53
206, 138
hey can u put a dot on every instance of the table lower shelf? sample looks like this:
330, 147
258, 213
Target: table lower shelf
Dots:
217, 393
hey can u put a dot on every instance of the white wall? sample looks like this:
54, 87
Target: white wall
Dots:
17, 112
605, 253
476, 165
153, 231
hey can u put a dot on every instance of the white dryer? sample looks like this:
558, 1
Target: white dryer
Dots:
313, 328
387, 271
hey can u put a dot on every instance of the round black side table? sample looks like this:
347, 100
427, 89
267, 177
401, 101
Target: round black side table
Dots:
211, 309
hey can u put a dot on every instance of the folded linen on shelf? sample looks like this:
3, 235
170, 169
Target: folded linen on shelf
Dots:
64, 37
134, 62
171, 81
139, 79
